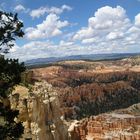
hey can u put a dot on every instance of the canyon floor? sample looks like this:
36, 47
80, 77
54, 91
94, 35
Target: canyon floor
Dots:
97, 100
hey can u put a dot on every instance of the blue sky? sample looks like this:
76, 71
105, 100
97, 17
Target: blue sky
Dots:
56, 28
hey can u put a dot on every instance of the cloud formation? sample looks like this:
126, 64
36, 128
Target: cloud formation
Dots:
109, 30
110, 27
19, 8
107, 21
36, 13
45, 49
50, 27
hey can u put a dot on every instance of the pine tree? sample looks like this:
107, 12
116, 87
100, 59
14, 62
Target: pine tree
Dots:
10, 71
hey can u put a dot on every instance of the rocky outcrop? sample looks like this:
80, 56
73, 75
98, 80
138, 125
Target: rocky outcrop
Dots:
42, 119
39, 110
122, 124
107, 127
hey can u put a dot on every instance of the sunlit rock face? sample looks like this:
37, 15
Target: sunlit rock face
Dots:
109, 126
40, 112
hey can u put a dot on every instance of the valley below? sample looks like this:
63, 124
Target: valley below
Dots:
81, 100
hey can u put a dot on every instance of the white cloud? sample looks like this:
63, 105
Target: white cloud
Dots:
84, 33
19, 8
111, 29
66, 7
36, 13
31, 50
89, 40
63, 43
108, 17
105, 21
50, 27
114, 35
137, 20
44, 49
108, 31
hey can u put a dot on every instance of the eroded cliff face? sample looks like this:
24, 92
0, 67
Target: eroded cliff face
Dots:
109, 126
84, 92
41, 116
40, 112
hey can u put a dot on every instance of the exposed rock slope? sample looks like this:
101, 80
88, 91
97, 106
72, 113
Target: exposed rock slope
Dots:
40, 112
109, 126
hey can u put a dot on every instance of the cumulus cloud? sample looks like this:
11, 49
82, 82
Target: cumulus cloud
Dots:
114, 35
105, 21
31, 50
45, 49
50, 27
109, 30
108, 17
36, 13
19, 8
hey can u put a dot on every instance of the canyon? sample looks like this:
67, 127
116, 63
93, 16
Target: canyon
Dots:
89, 88
80, 100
